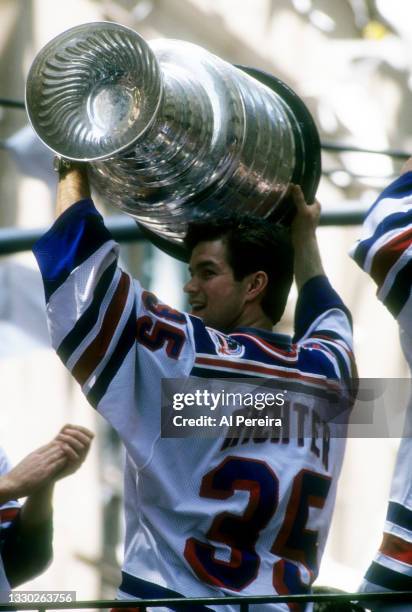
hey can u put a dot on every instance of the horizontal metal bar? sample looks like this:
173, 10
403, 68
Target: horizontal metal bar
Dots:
338, 147
15, 240
124, 229
384, 596
343, 216
12, 103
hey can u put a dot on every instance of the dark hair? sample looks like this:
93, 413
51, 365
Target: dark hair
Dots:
252, 244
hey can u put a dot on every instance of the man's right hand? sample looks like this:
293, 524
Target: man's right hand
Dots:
76, 441
35, 471
41, 468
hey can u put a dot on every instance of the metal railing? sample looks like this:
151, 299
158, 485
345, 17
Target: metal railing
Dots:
14, 240
337, 147
8, 103
242, 602
124, 229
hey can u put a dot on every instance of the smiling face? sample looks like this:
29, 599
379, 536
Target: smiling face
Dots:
214, 294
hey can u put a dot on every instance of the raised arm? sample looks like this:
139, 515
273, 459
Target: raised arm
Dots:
384, 251
307, 260
322, 322
73, 185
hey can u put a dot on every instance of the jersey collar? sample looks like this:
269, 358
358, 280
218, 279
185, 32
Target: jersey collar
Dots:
279, 340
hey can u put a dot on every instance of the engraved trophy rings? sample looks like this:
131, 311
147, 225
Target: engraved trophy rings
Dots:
172, 131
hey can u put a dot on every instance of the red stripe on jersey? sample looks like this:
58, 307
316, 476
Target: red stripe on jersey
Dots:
339, 343
269, 348
261, 369
95, 352
397, 548
388, 255
8, 514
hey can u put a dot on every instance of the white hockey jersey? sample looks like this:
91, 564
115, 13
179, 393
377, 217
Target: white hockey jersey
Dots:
205, 517
8, 513
385, 252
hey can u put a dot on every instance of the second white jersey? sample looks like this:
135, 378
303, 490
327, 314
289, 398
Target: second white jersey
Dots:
385, 252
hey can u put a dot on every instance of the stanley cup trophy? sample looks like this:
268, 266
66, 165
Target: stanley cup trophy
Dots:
172, 132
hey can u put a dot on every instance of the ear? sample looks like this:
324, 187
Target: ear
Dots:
256, 285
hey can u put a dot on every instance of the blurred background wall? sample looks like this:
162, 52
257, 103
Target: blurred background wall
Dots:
350, 60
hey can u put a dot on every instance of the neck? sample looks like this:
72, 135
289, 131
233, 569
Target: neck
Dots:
258, 320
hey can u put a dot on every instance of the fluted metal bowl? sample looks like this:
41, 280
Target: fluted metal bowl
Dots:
93, 91
174, 132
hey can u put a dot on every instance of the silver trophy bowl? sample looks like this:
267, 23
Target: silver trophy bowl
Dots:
172, 132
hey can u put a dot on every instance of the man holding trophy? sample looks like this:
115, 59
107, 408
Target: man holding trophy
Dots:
203, 519
95, 310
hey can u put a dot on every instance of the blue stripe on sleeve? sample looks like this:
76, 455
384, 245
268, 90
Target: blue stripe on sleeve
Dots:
212, 373
203, 341
315, 298
400, 291
76, 235
399, 515
342, 364
397, 190
388, 578
316, 362
395, 221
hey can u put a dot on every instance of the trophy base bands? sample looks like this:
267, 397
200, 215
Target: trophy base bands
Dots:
37, 597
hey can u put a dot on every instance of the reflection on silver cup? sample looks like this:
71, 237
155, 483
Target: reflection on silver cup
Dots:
173, 131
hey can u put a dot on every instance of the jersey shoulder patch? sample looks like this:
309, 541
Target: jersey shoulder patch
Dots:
225, 345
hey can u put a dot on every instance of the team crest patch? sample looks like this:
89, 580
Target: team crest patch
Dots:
225, 345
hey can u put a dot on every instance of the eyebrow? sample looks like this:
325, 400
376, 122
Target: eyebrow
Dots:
204, 264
